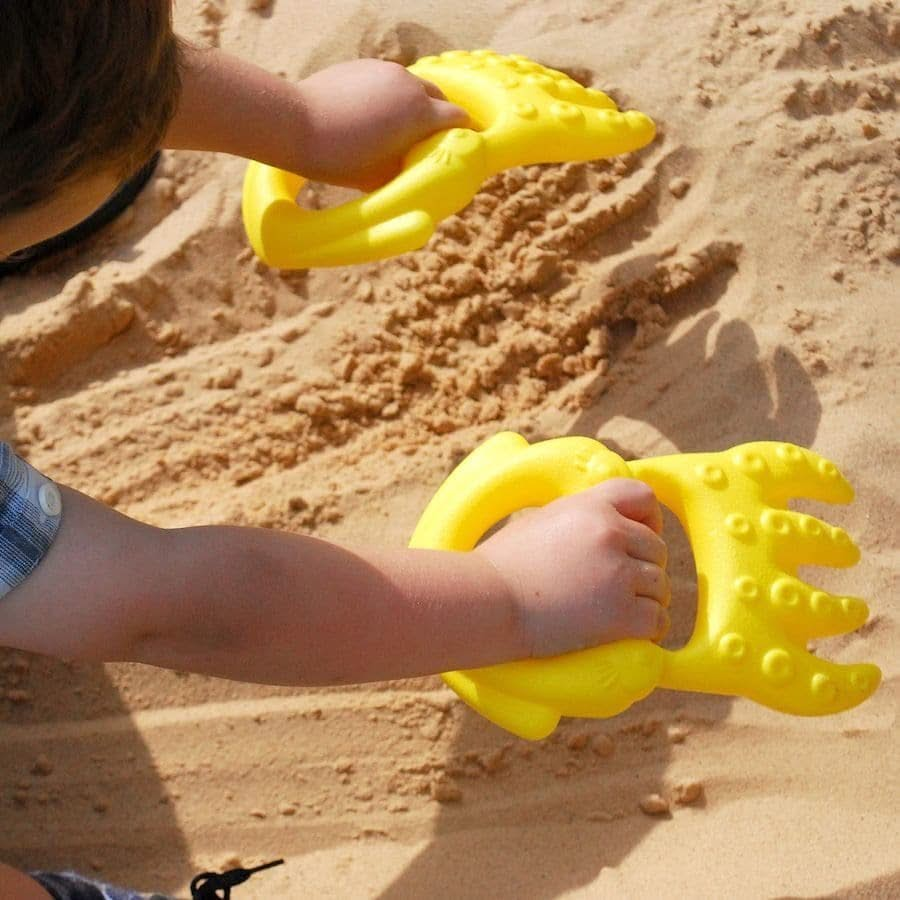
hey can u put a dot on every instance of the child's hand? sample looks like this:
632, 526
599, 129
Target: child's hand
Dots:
586, 569
363, 116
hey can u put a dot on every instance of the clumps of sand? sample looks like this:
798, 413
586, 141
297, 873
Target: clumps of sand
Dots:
14, 669
500, 317
840, 127
841, 104
496, 317
44, 341
42, 765
654, 805
851, 38
684, 794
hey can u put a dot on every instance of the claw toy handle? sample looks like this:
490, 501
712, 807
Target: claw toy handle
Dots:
526, 114
753, 614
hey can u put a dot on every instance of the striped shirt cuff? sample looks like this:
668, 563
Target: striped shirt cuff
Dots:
30, 515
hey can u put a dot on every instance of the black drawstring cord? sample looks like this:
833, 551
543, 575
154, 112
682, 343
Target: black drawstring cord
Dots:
206, 885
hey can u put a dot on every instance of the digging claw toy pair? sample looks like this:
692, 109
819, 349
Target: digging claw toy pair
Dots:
754, 615
525, 113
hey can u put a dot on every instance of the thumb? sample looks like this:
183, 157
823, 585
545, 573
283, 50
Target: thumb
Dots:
449, 115
446, 114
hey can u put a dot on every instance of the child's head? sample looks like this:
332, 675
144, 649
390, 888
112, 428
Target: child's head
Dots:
88, 88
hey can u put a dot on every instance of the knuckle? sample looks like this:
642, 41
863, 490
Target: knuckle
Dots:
614, 487
582, 517
611, 537
584, 520
642, 490
396, 75
633, 489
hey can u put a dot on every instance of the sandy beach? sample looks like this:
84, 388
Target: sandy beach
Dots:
735, 281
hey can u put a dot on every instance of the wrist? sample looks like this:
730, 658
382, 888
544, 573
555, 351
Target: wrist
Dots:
296, 135
461, 612
516, 642
231, 106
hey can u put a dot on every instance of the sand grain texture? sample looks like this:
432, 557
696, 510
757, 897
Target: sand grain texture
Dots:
735, 281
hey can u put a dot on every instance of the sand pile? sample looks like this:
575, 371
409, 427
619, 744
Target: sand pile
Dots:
735, 281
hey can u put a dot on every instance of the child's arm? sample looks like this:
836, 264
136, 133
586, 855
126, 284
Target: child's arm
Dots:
19, 885
260, 605
349, 124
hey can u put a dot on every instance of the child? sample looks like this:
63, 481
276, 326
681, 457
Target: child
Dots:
92, 89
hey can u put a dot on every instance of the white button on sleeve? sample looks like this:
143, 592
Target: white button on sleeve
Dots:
50, 499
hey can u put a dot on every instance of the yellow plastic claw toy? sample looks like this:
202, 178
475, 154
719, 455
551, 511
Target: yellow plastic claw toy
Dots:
526, 114
754, 615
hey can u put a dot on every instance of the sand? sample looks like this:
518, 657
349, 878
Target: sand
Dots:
735, 281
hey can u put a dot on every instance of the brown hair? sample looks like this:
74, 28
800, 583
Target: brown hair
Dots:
84, 85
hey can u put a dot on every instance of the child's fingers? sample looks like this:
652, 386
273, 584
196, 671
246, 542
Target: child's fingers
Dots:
653, 582
634, 500
643, 543
648, 620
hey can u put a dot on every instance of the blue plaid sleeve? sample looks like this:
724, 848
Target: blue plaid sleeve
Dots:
30, 513
70, 886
